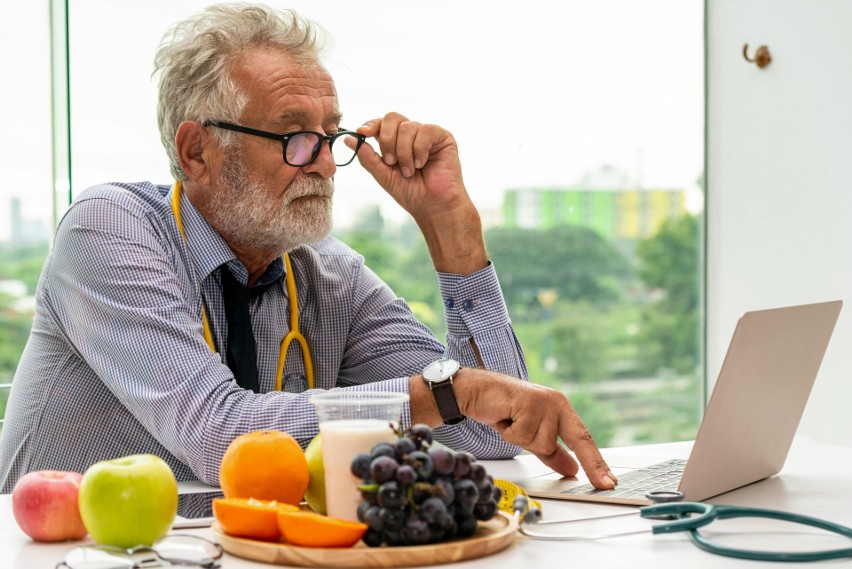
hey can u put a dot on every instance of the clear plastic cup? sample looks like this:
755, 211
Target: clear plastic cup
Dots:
351, 422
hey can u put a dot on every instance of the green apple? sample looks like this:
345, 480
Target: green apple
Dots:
128, 501
315, 496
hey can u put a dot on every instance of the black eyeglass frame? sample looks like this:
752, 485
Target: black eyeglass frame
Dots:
284, 139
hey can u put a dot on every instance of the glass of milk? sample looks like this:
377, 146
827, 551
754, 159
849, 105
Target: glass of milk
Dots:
351, 422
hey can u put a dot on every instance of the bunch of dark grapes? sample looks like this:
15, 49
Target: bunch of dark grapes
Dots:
414, 494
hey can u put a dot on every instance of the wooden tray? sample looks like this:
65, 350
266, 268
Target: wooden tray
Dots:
492, 536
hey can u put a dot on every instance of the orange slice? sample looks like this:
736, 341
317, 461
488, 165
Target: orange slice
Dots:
248, 517
309, 529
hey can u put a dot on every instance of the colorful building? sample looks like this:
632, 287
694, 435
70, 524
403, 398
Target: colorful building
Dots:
616, 213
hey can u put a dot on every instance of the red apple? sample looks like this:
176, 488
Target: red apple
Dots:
45, 505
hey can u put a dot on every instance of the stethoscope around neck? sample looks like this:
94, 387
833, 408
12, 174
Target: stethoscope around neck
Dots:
293, 335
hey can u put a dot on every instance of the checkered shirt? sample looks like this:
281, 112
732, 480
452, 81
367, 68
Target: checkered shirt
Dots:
116, 362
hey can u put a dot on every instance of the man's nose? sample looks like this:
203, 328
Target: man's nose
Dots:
323, 164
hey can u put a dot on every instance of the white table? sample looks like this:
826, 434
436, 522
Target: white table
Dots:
815, 481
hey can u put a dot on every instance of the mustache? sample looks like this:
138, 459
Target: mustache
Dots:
311, 185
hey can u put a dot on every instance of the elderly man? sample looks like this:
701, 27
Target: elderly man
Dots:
163, 312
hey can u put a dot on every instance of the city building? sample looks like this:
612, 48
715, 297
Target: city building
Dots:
22, 230
617, 213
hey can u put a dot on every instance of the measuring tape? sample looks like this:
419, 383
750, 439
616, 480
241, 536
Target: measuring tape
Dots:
510, 492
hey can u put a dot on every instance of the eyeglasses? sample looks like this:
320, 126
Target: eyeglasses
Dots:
301, 147
175, 549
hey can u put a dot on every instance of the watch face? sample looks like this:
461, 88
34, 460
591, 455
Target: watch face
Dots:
440, 370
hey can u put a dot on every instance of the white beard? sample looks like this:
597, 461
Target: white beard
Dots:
245, 215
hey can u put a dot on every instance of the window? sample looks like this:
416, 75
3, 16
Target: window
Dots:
27, 202
580, 127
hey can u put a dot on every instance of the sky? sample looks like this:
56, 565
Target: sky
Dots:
537, 94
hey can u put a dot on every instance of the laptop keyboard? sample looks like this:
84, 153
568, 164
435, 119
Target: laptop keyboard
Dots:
634, 484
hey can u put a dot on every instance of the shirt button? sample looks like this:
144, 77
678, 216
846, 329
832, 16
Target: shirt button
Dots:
449, 303
467, 305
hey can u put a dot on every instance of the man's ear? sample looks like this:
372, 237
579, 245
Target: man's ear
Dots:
194, 144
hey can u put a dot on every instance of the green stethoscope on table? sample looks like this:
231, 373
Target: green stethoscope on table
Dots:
689, 517
293, 335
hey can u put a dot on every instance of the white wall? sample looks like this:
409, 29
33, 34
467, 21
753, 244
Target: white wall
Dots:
780, 180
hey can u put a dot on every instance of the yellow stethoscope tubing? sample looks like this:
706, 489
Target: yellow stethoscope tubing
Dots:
294, 333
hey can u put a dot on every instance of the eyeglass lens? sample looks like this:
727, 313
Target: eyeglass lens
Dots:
341, 150
303, 147
177, 549
187, 549
98, 558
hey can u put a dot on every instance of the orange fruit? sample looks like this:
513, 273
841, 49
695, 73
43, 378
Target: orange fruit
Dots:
247, 517
309, 529
266, 465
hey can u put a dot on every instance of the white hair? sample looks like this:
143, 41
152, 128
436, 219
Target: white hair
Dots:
196, 56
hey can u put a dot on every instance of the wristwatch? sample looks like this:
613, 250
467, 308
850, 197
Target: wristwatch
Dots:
439, 377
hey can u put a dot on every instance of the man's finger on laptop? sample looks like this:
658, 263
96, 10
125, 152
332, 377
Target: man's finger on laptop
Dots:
598, 472
578, 438
560, 461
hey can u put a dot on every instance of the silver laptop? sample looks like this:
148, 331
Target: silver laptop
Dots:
750, 420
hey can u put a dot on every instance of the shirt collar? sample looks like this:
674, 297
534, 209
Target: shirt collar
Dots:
273, 272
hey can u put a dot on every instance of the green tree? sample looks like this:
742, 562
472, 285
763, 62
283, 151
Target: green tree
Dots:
575, 262
23, 263
669, 262
583, 347
599, 417
678, 405
14, 331
17, 263
400, 257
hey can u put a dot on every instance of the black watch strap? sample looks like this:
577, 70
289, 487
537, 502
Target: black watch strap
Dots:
445, 398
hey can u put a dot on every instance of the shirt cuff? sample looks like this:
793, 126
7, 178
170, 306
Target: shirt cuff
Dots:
474, 303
